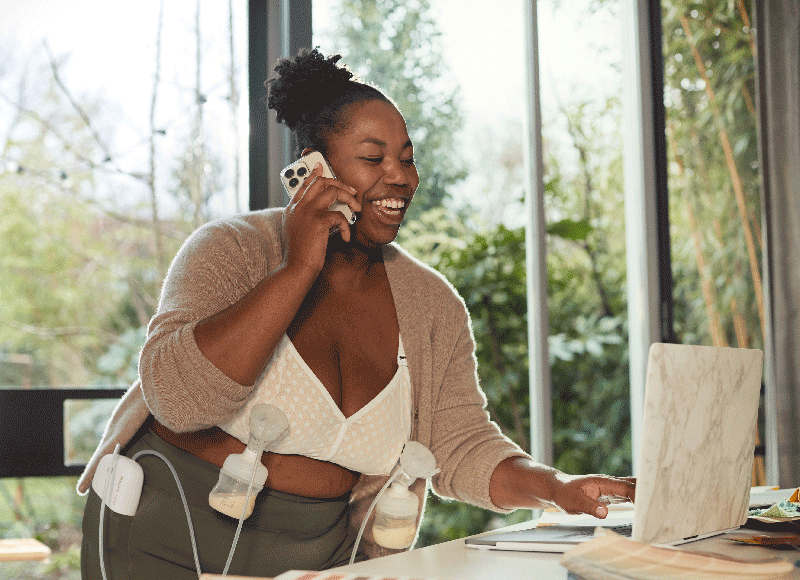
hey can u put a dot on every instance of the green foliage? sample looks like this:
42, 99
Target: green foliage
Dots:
588, 355
396, 44
49, 510
709, 68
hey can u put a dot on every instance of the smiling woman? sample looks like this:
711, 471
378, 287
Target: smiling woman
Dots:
320, 101
363, 347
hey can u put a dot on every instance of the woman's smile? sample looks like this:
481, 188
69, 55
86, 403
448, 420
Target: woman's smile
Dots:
390, 210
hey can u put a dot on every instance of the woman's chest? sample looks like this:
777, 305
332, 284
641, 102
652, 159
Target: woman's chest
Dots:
350, 343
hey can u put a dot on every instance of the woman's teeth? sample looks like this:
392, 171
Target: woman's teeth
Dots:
392, 205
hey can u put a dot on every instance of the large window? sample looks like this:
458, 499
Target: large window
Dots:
123, 127
714, 189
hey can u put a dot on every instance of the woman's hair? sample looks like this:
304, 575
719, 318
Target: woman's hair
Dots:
309, 94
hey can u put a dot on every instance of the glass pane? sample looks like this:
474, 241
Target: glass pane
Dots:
457, 74
123, 128
84, 421
581, 89
715, 205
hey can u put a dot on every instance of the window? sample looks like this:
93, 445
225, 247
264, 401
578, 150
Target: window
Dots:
123, 129
714, 174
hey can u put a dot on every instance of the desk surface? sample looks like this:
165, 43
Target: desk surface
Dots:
453, 560
17, 550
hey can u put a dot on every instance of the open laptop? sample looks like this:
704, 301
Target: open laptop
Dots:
696, 453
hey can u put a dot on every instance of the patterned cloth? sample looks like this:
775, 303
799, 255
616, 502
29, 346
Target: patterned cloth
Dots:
369, 441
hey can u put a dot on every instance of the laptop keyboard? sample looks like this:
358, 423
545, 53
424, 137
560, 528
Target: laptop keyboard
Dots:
621, 529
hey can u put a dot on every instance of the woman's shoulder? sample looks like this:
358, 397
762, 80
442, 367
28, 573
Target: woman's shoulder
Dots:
414, 277
256, 232
254, 225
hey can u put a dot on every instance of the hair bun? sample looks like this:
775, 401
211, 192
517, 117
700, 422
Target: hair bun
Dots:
305, 84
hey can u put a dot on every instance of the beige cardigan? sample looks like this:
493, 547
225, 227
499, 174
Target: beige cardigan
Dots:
222, 261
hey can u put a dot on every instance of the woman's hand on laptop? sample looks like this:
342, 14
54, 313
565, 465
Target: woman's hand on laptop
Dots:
518, 482
591, 494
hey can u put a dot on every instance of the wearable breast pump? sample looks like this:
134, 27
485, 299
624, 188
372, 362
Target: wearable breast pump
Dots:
243, 475
397, 507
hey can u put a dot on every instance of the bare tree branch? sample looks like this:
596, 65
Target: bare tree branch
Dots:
75, 105
233, 100
151, 178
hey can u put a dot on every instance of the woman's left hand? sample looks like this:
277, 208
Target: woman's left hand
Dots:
591, 494
519, 482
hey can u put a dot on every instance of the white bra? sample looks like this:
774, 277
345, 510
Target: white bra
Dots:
369, 441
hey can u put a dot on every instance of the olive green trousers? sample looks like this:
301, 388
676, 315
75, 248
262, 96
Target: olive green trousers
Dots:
285, 531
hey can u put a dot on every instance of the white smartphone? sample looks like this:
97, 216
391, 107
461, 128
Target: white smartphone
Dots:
295, 174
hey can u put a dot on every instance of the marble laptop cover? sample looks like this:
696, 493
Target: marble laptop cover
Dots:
696, 452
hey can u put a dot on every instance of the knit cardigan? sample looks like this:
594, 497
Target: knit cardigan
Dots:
221, 262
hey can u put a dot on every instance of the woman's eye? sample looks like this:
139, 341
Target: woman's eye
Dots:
408, 162
375, 160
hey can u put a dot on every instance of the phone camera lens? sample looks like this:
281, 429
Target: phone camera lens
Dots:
301, 171
288, 173
293, 182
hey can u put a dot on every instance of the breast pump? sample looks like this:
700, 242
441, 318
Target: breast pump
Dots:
396, 507
118, 480
243, 475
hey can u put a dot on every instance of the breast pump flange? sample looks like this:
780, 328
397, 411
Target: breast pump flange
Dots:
396, 507
396, 512
243, 475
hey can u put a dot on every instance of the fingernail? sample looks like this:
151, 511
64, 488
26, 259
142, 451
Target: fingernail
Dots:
600, 512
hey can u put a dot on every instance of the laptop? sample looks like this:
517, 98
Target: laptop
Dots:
696, 454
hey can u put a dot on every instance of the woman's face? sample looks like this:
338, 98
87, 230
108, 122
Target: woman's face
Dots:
374, 155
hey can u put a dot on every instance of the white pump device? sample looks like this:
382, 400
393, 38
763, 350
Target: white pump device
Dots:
236, 488
118, 480
243, 473
395, 522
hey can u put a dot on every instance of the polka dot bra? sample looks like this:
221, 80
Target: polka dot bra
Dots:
369, 441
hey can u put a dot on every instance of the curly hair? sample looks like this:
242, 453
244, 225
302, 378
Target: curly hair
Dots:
309, 93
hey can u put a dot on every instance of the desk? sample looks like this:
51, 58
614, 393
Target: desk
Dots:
453, 560
13, 550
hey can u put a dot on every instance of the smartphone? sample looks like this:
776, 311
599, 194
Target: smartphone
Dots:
295, 174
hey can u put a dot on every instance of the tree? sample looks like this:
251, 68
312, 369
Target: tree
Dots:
396, 45
715, 208
86, 232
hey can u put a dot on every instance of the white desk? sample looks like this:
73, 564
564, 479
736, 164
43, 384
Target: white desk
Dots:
453, 560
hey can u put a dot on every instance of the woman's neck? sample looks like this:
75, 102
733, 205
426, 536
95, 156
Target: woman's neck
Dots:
347, 264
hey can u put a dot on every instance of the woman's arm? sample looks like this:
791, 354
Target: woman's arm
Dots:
220, 265
238, 340
481, 466
518, 482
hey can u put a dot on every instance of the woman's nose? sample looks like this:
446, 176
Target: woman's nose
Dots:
393, 173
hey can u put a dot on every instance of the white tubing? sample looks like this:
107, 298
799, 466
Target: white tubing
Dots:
369, 511
106, 492
183, 498
244, 509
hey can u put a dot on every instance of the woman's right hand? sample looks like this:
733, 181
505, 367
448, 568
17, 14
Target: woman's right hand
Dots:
308, 221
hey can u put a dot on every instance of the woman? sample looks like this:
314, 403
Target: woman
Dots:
361, 345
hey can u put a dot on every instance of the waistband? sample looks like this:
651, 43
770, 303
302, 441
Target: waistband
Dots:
273, 511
